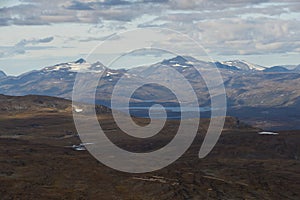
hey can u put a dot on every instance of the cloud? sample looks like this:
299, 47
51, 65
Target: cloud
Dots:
22, 46
35, 41
244, 37
114, 2
223, 27
112, 36
241, 28
39, 12
211, 4
76, 5
35, 12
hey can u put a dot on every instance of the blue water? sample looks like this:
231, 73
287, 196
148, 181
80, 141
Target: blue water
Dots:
171, 109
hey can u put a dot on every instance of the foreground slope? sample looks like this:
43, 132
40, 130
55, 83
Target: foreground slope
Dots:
38, 163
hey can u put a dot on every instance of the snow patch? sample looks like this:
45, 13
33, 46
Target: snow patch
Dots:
111, 73
74, 67
78, 110
176, 65
267, 133
190, 63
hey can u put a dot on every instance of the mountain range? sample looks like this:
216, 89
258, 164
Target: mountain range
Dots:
249, 87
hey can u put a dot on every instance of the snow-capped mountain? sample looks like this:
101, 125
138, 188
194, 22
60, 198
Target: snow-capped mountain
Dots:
57, 80
78, 66
178, 61
187, 61
244, 65
244, 89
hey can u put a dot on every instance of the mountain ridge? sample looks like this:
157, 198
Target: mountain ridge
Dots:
82, 65
241, 83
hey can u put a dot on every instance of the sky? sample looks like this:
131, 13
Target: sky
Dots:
39, 33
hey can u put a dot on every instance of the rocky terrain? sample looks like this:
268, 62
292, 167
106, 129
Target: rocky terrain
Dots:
37, 161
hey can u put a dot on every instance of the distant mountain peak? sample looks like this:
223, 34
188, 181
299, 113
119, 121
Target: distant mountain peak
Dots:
80, 61
2, 74
78, 66
180, 58
276, 69
179, 61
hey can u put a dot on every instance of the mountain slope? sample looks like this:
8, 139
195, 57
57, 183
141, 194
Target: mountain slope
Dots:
57, 80
297, 68
243, 65
2, 74
32, 103
276, 69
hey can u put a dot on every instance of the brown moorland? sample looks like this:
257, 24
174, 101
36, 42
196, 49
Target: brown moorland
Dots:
36, 161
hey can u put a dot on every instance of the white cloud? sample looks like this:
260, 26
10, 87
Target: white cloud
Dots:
22, 46
229, 28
